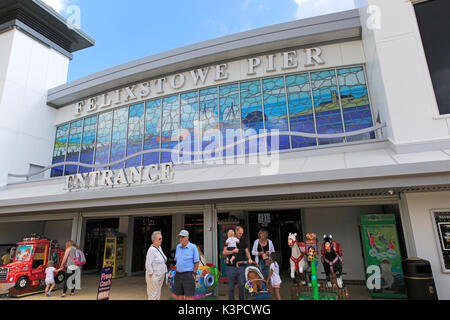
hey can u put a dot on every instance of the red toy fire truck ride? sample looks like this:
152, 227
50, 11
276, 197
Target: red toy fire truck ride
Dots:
26, 274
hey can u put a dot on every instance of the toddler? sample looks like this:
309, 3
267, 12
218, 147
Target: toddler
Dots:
231, 244
49, 278
274, 275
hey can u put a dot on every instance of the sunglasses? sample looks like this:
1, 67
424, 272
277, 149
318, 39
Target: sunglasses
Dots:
159, 239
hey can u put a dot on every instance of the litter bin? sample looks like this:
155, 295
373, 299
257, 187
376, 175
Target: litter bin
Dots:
419, 279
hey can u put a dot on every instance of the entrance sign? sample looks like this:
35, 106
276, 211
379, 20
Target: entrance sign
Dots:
122, 177
441, 225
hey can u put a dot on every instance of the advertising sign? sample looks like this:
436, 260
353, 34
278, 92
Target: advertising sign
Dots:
382, 254
104, 287
441, 223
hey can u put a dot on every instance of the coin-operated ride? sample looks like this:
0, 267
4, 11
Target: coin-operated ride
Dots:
206, 281
26, 274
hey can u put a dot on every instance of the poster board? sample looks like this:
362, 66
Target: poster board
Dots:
441, 225
381, 249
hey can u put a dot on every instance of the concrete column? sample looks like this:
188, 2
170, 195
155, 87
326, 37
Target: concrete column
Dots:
76, 234
129, 253
407, 227
210, 233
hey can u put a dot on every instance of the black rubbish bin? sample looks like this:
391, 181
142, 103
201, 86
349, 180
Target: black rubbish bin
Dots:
419, 279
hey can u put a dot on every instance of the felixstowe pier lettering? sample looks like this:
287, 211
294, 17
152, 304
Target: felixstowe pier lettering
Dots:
122, 177
286, 60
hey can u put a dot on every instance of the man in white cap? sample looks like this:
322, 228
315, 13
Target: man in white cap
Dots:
187, 260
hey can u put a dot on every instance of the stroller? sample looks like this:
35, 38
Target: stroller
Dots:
255, 285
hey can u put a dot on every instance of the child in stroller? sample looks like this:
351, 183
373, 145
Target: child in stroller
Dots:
255, 284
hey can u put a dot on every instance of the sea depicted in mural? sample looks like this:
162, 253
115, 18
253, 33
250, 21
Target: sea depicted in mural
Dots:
331, 101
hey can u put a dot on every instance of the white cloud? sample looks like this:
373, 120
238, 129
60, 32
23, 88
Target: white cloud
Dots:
313, 8
58, 5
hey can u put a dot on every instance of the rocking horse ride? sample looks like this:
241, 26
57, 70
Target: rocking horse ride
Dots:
298, 260
255, 285
332, 260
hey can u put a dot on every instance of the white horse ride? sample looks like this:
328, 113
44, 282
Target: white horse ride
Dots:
298, 260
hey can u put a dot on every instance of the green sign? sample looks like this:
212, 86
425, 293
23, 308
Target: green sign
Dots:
382, 256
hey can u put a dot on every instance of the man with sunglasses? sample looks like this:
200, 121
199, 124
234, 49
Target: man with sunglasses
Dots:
187, 261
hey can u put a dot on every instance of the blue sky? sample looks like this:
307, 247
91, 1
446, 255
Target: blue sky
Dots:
128, 30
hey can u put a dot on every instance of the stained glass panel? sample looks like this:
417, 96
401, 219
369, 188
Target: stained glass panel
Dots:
327, 106
209, 122
275, 111
170, 128
119, 137
301, 115
230, 119
189, 137
135, 134
73, 146
355, 102
103, 139
152, 137
88, 143
252, 115
59, 151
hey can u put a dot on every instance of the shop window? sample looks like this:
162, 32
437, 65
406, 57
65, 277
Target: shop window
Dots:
434, 26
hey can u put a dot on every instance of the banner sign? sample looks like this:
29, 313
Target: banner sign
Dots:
382, 252
104, 287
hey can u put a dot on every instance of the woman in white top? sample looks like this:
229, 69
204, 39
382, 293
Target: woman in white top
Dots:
262, 248
155, 265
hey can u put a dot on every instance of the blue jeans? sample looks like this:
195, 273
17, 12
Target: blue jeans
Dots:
263, 267
236, 275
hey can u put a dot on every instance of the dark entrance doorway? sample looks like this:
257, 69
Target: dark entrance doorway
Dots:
142, 239
94, 245
278, 224
193, 223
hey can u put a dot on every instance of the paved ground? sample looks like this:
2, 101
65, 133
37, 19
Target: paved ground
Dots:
134, 288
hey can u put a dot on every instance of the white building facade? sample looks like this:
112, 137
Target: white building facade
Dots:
302, 126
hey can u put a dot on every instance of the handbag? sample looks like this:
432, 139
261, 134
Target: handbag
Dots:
267, 260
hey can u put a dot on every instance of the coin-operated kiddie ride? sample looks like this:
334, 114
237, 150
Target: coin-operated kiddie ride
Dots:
26, 274
322, 291
206, 281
